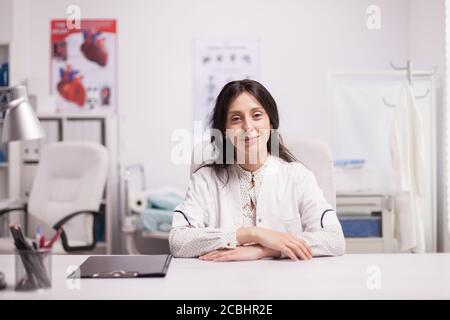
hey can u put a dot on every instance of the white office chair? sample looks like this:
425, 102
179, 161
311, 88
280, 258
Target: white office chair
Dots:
314, 154
67, 192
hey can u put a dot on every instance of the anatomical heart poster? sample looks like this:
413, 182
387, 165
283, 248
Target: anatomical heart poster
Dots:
83, 66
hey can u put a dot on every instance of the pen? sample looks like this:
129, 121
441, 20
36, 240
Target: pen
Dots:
42, 242
55, 237
38, 234
40, 238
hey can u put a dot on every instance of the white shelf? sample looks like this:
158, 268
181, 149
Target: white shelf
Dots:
100, 248
364, 205
155, 235
364, 245
101, 244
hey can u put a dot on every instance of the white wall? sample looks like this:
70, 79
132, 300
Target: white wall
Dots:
300, 41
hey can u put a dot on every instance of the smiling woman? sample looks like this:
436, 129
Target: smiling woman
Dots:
256, 201
248, 127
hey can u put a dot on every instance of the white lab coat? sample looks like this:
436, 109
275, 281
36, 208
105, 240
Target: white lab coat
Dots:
289, 200
409, 173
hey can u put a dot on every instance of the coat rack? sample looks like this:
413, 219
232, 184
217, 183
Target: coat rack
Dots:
409, 76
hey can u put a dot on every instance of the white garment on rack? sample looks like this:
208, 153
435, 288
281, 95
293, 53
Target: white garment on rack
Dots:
409, 173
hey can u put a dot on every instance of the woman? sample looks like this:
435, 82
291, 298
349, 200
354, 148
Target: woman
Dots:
262, 203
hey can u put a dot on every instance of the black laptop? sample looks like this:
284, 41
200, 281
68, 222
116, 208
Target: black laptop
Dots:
124, 266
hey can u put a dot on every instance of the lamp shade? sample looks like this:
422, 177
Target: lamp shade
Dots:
20, 121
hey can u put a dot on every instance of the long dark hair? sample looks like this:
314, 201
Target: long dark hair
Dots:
219, 117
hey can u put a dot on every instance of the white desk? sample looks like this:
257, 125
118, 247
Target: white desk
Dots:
402, 276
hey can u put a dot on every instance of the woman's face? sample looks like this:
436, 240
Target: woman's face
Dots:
248, 125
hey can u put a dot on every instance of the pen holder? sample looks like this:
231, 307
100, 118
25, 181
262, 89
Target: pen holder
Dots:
33, 269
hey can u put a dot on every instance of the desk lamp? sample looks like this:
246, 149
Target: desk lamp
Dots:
20, 121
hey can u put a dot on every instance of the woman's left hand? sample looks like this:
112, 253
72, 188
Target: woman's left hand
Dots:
240, 253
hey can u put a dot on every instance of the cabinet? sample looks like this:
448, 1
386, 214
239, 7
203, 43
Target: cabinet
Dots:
4, 66
9, 163
4, 166
374, 207
4, 148
94, 128
9, 182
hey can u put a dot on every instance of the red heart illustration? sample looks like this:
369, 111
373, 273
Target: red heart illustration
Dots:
73, 91
93, 47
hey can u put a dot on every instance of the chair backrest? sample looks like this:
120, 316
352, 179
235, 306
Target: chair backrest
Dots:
316, 156
70, 177
312, 153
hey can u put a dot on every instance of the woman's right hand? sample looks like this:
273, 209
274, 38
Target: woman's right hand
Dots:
284, 242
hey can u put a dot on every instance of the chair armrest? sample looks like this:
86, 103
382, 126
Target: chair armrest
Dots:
60, 223
24, 208
8, 210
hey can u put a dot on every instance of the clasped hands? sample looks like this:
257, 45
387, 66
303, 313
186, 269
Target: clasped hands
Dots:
267, 243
